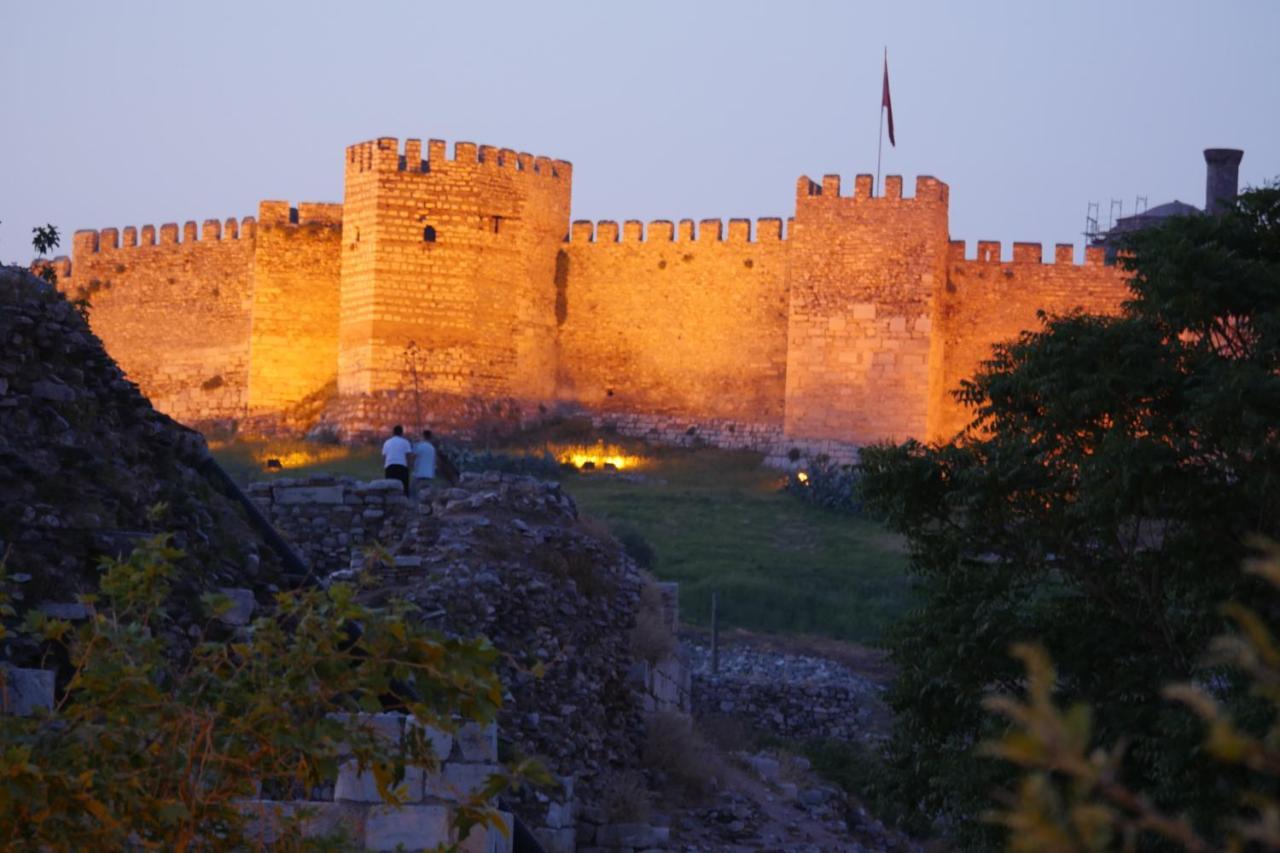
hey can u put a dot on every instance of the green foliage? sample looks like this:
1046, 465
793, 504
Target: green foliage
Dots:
636, 546
1072, 797
46, 238
1099, 503
159, 735
544, 465
827, 484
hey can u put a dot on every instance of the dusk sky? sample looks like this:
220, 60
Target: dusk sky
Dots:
128, 113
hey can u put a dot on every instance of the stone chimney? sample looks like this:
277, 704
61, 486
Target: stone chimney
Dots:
1222, 177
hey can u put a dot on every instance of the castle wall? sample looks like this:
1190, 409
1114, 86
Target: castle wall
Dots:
987, 301
296, 282
864, 271
675, 321
471, 311
451, 291
174, 313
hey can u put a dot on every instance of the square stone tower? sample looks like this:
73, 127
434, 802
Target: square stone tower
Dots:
448, 269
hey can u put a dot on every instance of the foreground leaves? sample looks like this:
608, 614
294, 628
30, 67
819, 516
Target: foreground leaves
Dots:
159, 736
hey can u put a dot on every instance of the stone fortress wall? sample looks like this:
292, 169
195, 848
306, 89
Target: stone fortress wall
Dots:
445, 288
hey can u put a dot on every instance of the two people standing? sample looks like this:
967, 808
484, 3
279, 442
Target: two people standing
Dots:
398, 455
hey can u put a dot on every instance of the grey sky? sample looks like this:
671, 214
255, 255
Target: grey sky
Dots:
126, 113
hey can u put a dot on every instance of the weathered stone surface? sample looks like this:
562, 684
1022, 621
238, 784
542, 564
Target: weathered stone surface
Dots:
458, 781
478, 742
637, 835
414, 827
459, 556
490, 839
26, 690
242, 605
310, 495
387, 728
440, 740
357, 787
71, 611
561, 840
83, 458
790, 695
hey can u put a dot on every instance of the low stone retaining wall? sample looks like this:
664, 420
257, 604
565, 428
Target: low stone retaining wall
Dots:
467, 757
728, 435
328, 518
792, 696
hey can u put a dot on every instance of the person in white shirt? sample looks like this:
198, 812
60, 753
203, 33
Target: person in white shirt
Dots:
395, 457
424, 461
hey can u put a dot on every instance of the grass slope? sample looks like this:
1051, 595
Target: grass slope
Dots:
716, 521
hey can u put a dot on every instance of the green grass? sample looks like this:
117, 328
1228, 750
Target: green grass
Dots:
717, 522
245, 460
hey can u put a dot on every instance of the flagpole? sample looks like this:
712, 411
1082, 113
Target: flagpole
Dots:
875, 189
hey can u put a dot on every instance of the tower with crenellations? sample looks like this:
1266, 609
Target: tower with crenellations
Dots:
452, 288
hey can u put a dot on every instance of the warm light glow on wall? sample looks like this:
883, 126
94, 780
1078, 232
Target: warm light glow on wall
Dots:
598, 455
298, 458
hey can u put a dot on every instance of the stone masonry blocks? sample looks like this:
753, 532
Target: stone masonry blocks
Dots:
854, 324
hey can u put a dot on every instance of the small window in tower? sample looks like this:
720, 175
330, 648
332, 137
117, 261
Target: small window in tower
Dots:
428, 234
497, 224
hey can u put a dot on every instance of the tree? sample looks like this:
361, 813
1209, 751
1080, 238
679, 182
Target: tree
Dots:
1099, 503
158, 738
46, 239
1070, 797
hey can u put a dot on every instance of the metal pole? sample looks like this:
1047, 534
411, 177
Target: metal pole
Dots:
715, 634
875, 189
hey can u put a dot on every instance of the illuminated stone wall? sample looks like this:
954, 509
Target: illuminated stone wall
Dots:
452, 291
987, 300
864, 272
174, 313
293, 347
474, 295
675, 320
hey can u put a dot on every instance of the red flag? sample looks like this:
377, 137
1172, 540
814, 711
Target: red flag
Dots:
885, 103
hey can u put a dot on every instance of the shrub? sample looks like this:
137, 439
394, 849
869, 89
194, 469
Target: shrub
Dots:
651, 639
828, 485
158, 736
677, 754
1071, 794
637, 547
544, 466
624, 796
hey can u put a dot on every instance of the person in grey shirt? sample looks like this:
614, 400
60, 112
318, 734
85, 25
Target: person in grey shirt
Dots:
424, 461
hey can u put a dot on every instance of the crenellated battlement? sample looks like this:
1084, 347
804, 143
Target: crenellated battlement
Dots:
305, 213
852, 320
927, 189
989, 252
659, 231
385, 154
130, 237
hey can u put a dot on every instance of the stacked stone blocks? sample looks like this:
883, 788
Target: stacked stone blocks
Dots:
445, 288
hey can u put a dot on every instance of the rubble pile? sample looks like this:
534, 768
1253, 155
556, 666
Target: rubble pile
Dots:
88, 467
